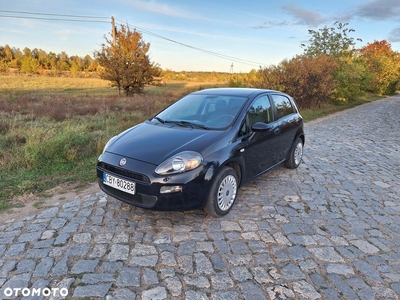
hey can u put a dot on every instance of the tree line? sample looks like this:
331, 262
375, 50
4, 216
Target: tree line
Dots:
38, 61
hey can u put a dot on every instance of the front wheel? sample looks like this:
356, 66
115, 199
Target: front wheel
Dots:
222, 193
296, 154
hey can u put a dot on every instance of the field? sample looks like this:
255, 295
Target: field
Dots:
52, 129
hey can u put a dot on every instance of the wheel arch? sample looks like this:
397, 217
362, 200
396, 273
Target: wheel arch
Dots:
234, 164
238, 169
299, 134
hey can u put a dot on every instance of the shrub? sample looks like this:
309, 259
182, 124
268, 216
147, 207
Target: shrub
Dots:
307, 79
352, 78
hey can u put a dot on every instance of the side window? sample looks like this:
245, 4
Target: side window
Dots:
243, 129
283, 106
260, 111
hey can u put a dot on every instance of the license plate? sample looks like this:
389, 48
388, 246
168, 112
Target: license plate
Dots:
119, 184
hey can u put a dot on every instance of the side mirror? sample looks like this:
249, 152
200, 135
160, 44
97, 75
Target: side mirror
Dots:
261, 127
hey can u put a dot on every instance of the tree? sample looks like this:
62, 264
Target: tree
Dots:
6, 54
3, 60
331, 41
63, 61
350, 76
17, 56
29, 63
384, 65
127, 64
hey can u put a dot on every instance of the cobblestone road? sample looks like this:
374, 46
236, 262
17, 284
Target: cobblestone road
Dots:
328, 230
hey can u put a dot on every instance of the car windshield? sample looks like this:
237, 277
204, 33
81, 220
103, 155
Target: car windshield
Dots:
203, 111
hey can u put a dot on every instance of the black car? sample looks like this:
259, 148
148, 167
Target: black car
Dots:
197, 152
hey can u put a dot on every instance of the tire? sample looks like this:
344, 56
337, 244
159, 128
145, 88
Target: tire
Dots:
223, 193
296, 154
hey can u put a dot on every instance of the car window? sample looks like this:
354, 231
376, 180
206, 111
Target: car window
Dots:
283, 105
212, 111
243, 129
216, 107
183, 109
260, 111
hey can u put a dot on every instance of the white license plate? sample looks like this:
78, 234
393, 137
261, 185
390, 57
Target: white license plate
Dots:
119, 184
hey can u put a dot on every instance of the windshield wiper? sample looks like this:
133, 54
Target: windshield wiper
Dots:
195, 125
159, 120
186, 123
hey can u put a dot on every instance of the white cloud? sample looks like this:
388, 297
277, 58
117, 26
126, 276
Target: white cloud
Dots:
304, 16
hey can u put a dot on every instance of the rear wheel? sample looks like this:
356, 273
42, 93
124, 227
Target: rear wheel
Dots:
296, 154
222, 193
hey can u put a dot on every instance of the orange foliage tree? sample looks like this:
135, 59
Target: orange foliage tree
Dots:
384, 65
126, 63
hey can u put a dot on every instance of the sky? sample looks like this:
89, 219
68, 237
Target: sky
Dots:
208, 35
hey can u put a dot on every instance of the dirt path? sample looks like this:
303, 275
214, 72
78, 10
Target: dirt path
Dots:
32, 204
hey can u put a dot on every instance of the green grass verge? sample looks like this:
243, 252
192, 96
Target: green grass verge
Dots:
327, 109
37, 181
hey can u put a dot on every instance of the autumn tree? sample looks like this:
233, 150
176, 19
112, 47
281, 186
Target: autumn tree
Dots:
6, 56
384, 65
127, 63
29, 64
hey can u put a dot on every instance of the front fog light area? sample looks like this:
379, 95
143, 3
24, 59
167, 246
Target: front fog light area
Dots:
170, 189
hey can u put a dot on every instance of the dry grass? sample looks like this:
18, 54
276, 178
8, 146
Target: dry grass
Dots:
13, 85
61, 108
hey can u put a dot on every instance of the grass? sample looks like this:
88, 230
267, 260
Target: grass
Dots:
15, 85
52, 129
327, 109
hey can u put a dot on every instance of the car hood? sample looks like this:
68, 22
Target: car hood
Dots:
154, 142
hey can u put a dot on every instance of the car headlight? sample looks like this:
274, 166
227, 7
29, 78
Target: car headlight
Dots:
179, 163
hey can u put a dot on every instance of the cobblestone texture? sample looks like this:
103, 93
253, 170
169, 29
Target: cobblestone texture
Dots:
328, 230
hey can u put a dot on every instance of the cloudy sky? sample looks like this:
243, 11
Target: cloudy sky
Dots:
196, 35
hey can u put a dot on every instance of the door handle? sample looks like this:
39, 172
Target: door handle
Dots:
277, 131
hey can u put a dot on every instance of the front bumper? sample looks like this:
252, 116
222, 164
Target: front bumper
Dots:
148, 184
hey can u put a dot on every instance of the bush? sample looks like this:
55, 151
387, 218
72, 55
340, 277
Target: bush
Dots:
307, 79
352, 78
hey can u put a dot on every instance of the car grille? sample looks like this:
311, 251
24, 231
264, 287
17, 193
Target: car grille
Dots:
140, 200
125, 173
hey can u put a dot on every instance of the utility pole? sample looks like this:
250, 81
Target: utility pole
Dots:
113, 31
231, 71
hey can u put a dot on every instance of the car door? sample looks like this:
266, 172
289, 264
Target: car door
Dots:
261, 146
287, 123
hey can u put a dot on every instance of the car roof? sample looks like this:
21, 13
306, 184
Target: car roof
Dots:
240, 92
